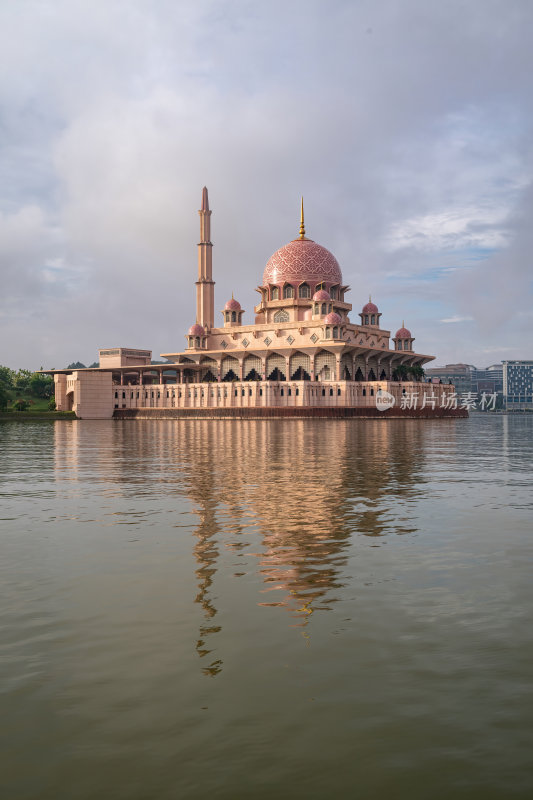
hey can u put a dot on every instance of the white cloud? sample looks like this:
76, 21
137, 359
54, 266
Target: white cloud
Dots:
409, 160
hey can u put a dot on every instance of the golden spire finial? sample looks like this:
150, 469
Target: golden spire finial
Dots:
403, 323
302, 226
232, 296
369, 298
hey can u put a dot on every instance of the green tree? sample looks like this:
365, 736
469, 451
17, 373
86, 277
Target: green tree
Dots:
21, 380
417, 372
76, 365
4, 398
402, 372
6, 377
41, 385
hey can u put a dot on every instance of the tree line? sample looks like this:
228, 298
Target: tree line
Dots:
19, 388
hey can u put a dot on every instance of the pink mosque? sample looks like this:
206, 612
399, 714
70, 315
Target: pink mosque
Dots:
302, 356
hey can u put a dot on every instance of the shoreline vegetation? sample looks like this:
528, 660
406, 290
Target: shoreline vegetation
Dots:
30, 416
27, 395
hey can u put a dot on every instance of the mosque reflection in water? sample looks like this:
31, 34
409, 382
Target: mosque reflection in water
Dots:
296, 492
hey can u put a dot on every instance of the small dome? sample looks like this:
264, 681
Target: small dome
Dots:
232, 305
321, 296
196, 330
370, 308
302, 260
403, 333
332, 319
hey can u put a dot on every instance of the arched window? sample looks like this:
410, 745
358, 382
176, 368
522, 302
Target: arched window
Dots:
324, 309
328, 333
234, 316
304, 291
275, 293
366, 319
317, 309
288, 292
281, 316
333, 292
197, 341
373, 320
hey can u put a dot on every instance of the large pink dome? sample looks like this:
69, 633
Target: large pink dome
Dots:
302, 260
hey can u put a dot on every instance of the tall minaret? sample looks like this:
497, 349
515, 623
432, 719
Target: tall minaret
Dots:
205, 285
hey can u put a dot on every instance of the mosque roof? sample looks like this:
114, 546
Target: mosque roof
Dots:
232, 305
370, 308
321, 295
196, 330
332, 319
403, 333
302, 260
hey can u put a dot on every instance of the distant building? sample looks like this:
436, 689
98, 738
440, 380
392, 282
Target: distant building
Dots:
488, 380
518, 385
458, 374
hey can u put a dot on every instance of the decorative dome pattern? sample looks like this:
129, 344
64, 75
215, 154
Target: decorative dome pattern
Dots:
321, 296
196, 330
302, 260
332, 319
232, 305
370, 308
403, 333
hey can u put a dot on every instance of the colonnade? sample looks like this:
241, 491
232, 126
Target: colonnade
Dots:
322, 365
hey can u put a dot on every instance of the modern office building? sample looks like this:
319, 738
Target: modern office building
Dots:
518, 385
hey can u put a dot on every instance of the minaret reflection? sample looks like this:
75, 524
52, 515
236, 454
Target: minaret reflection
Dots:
285, 502
296, 493
202, 488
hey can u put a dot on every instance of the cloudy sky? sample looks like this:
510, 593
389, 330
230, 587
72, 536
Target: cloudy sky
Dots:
406, 124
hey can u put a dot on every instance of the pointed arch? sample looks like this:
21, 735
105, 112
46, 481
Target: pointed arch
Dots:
325, 365
288, 292
229, 364
281, 316
347, 367
300, 367
276, 369
252, 368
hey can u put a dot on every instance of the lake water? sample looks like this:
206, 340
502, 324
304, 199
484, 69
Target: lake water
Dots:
267, 609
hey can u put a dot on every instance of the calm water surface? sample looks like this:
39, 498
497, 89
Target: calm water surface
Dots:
266, 609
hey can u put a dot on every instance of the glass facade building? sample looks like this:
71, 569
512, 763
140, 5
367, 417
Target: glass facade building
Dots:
518, 385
